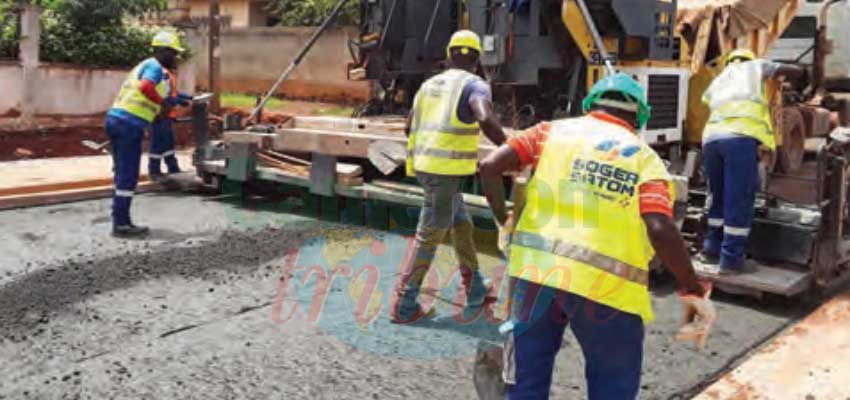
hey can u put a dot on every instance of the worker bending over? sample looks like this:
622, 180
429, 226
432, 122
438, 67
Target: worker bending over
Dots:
448, 113
739, 124
162, 131
143, 93
598, 207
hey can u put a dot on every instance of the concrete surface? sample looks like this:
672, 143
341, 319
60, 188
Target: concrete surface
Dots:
204, 309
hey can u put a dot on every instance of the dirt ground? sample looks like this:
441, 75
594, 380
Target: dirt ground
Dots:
223, 302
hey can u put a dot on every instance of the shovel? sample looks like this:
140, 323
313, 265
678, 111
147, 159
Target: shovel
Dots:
99, 147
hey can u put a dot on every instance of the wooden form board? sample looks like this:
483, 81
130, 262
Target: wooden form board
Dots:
390, 192
64, 196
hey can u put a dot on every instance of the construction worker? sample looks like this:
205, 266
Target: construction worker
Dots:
448, 113
142, 95
598, 206
738, 132
162, 132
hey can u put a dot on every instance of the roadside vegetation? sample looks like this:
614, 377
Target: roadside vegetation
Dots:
93, 32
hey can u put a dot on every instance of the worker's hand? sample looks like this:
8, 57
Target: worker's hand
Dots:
505, 231
173, 101
766, 155
698, 316
184, 96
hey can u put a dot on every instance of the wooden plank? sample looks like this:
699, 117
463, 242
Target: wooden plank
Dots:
808, 360
343, 144
65, 196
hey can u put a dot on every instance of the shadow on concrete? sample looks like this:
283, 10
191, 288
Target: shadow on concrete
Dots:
32, 299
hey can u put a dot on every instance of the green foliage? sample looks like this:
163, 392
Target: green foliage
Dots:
312, 12
107, 46
8, 30
91, 32
93, 15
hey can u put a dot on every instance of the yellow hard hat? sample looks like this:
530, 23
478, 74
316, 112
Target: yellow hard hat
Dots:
739, 54
466, 40
167, 39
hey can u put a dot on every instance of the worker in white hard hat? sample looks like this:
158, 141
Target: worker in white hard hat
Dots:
449, 112
141, 98
738, 131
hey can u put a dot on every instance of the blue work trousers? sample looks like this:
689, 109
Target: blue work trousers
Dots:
126, 142
611, 341
731, 164
162, 147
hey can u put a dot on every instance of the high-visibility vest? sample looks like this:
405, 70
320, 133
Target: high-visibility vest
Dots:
738, 102
132, 100
581, 230
172, 92
439, 142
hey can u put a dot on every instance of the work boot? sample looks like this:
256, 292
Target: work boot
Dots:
409, 317
477, 292
743, 267
708, 259
129, 231
156, 176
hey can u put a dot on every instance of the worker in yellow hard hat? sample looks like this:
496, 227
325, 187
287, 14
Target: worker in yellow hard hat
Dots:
141, 97
739, 129
598, 207
449, 112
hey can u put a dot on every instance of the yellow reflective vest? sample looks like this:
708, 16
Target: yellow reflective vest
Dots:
738, 102
132, 100
581, 230
439, 142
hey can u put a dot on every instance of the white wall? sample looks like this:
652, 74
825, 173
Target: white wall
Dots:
68, 90
11, 87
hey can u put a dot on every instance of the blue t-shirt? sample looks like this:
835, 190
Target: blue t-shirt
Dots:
151, 70
477, 89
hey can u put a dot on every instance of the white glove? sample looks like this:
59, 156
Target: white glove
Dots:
698, 316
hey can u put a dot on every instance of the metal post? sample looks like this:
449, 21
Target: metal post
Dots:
597, 39
215, 55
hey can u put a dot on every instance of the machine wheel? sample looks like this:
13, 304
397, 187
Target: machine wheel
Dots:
789, 156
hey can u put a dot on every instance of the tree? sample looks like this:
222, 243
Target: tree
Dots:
312, 12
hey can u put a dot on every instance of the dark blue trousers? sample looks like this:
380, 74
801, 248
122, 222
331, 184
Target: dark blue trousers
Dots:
162, 147
126, 141
731, 164
611, 340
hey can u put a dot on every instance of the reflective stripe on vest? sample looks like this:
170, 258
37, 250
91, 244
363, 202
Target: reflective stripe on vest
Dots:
439, 142
738, 102
581, 230
583, 254
439, 153
132, 100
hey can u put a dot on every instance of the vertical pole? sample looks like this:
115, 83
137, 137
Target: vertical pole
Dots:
30, 28
215, 55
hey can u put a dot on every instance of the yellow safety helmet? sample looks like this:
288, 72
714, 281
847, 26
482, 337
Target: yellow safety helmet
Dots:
167, 39
739, 55
466, 40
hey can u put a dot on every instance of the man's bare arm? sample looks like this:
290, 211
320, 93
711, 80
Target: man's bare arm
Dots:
491, 169
482, 110
671, 249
